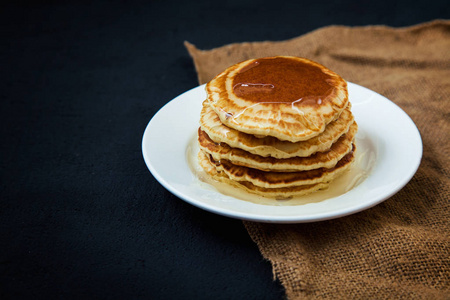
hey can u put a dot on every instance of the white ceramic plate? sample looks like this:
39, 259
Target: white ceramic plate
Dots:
385, 131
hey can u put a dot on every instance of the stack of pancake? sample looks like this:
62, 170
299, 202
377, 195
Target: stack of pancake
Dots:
277, 127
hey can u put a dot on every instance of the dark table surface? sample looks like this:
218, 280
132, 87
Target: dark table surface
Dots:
81, 215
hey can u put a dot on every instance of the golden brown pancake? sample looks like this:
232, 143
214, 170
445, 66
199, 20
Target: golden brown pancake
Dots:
277, 127
270, 146
275, 193
327, 159
286, 97
282, 179
272, 180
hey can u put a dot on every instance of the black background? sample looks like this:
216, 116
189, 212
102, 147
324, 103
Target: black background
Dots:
80, 214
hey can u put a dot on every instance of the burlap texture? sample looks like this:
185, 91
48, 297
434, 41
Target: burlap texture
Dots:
400, 248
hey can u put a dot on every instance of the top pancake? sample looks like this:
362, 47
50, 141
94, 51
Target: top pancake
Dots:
286, 97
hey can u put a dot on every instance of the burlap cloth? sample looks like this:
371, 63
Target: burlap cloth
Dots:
400, 248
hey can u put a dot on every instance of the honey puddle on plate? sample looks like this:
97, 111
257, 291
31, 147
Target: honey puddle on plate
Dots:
358, 172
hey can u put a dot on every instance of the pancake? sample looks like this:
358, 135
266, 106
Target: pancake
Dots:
290, 98
270, 146
274, 193
278, 127
327, 159
282, 179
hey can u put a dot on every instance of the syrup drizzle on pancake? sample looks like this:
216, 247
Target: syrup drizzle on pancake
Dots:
283, 80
